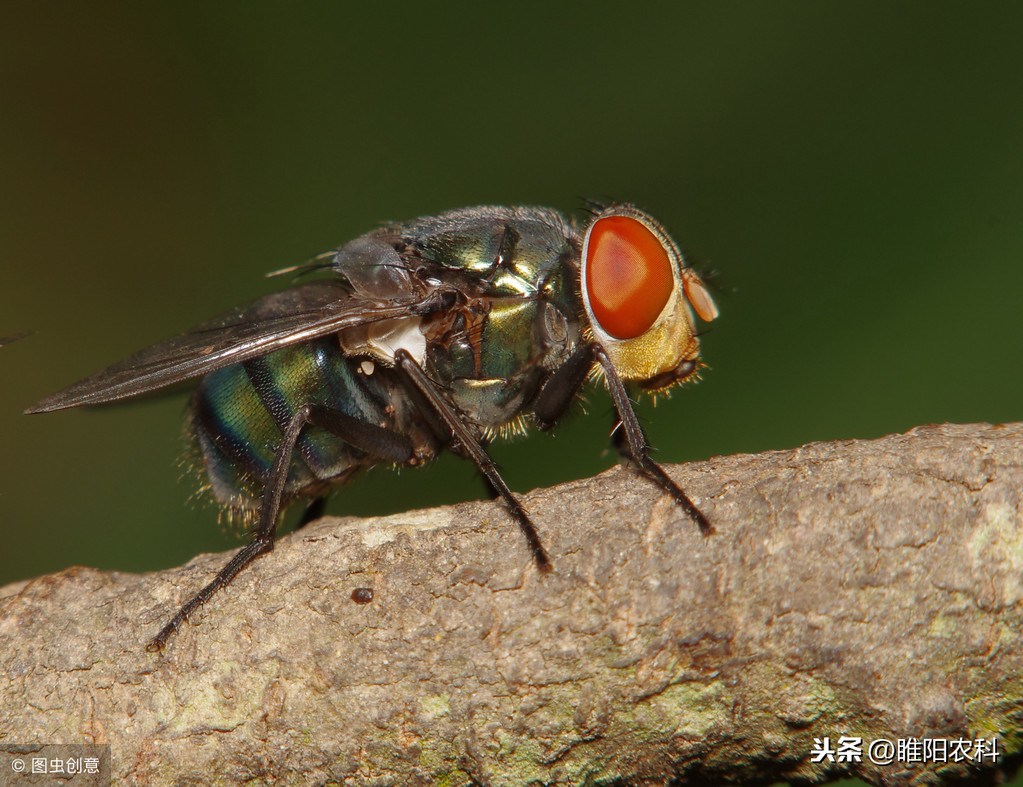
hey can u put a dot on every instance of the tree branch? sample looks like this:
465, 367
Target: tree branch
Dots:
865, 588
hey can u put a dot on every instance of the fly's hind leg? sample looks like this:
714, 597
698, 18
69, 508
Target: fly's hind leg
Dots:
374, 440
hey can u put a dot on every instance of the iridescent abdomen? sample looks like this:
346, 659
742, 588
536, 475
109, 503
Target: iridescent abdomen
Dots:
239, 414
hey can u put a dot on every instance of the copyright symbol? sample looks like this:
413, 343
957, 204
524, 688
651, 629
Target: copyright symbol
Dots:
881, 751
18, 766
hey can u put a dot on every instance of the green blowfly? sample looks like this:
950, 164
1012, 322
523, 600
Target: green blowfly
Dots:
441, 332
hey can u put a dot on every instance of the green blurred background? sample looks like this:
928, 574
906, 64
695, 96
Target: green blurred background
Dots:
853, 173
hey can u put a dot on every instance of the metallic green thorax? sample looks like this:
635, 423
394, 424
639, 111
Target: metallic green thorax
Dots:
516, 317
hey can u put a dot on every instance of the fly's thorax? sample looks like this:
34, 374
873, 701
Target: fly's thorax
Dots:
491, 354
517, 315
490, 250
484, 356
637, 293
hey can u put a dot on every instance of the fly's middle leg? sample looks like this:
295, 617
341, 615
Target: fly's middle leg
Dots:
469, 446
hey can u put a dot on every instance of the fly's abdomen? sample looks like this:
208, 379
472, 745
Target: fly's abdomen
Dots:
239, 414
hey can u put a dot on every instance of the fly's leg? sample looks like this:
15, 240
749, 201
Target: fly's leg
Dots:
492, 492
636, 443
264, 538
562, 387
374, 440
313, 511
472, 448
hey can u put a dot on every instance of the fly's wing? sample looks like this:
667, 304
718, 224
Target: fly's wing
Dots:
284, 318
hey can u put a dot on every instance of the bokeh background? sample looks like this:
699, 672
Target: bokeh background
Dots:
853, 173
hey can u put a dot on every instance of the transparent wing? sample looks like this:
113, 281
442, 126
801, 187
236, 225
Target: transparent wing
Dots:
279, 320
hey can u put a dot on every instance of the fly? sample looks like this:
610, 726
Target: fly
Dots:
438, 333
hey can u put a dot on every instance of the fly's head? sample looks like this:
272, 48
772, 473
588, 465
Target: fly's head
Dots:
640, 298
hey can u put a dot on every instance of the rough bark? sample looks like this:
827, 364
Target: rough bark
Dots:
870, 588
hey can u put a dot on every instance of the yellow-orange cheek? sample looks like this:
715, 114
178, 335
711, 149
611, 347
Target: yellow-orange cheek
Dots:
628, 276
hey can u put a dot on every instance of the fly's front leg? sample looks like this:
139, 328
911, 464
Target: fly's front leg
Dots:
372, 439
636, 443
562, 387
468, 444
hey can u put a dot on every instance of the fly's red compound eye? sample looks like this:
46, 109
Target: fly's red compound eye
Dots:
628, 276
